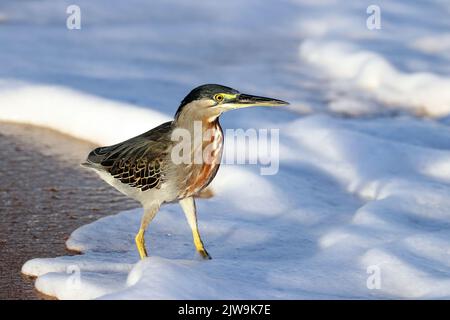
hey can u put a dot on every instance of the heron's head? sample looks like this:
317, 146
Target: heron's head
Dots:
209, 101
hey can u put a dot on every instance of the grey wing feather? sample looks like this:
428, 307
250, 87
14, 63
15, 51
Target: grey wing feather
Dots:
139, 161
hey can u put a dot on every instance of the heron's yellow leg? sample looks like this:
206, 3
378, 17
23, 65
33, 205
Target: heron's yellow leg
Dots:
149, 214
199, 245
189, 209
140, 243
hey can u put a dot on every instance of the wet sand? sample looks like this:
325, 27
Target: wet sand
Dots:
44, 196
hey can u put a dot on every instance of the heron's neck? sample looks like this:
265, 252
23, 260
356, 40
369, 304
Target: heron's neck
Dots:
202, 132
190, 123
195, 113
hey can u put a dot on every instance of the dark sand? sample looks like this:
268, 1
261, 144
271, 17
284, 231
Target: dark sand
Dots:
44, 196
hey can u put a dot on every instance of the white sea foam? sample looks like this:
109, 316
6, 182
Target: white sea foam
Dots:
355, 69
79, 114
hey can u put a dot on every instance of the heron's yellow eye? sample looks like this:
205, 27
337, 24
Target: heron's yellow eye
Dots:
219, 97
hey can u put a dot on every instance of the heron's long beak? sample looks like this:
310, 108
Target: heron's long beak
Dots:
245, 100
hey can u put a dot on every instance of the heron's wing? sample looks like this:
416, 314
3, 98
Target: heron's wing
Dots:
138, 161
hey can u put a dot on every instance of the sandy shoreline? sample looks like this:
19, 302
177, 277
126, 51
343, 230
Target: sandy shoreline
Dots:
44, 196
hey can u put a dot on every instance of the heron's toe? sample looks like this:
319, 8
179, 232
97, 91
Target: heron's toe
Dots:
204, 254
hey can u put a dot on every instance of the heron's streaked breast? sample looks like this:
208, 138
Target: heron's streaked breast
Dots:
203, 173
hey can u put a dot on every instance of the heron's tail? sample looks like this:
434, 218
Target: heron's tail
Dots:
86, 164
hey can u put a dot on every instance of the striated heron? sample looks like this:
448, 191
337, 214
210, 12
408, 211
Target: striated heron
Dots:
144, 167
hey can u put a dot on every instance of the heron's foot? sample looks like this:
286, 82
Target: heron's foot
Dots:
200, 247
204, 254
140, 244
